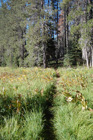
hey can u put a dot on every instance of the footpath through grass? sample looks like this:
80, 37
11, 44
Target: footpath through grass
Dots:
44, 104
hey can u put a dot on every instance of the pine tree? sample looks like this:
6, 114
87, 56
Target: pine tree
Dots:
13, 31
83, 25
39, 32
77, 21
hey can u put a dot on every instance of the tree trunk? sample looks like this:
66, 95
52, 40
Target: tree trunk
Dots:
57, 47
91, 59
90, 17
22, 49
87, 60
67, 30
64, 30
44, 56
48, 2
43, 43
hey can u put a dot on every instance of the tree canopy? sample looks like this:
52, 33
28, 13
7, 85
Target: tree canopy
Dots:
35, 33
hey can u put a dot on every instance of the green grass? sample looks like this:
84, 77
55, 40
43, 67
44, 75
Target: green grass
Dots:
28, 94
33, 126
70, 121
29, 128
10, 130
23, 96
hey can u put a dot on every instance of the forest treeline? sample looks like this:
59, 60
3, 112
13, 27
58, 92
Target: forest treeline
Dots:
43, 32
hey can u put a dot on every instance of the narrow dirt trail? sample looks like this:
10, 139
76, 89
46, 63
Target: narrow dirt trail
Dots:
48, 127
57, 76
48, 131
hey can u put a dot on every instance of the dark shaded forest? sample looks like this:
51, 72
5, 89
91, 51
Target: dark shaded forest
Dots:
46, 33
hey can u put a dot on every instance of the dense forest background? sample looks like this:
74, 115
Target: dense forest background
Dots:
46, 32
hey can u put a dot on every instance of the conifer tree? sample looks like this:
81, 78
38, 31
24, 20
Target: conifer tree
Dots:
39, 32
13, 32
76, 19
83, 25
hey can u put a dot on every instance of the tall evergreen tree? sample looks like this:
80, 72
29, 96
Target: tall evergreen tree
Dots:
13, 32
80, 17
76, 19
40, 31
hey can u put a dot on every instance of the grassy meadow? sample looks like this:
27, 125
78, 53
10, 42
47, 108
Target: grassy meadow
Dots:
26, 94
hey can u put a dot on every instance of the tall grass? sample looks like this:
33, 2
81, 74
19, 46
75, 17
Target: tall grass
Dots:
70, 121
10, 130
23, 96
29, 128
26, 94
33, 126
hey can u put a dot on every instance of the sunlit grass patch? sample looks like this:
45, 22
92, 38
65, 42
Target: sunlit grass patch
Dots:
33, 126
10, 130
17, 86
23, 81
73, 80
24, 93
29, 128
71, 120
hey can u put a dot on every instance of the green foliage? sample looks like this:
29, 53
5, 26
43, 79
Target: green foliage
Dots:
67, 60
74, 55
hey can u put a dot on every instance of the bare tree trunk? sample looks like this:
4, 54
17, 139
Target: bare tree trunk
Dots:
85, 49
57, 49
2, 55
11, 61
67, 31
91, 56
64, 30
44, 56
90, 17
44, 48
43, 43
48, 2
22, 48
22, 55
87, 59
